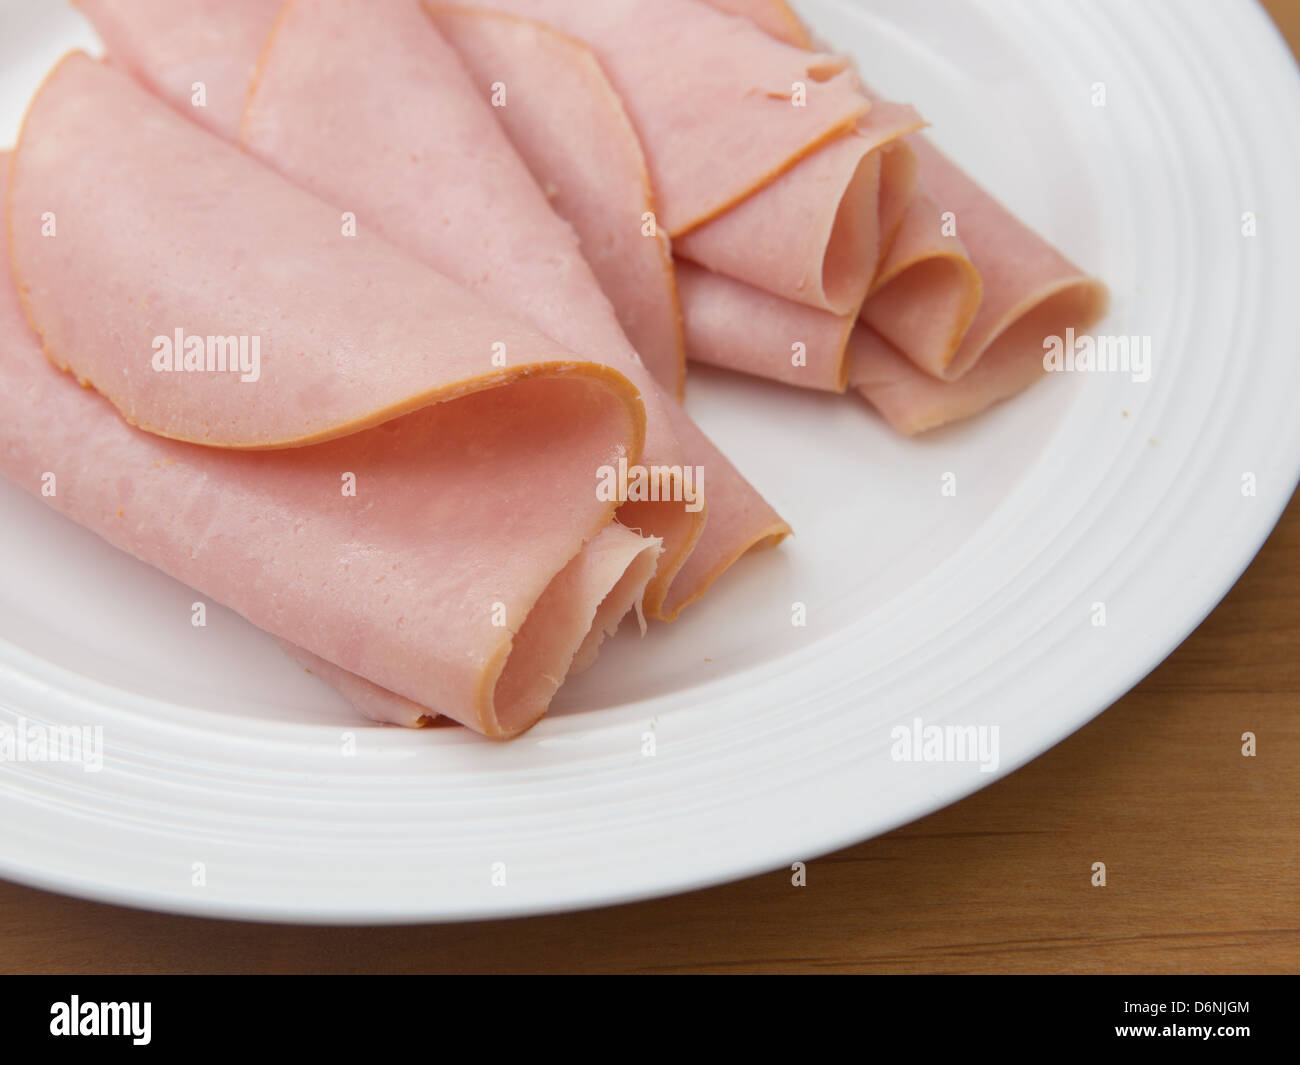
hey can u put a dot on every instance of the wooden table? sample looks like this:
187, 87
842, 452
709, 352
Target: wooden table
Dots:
1200, 846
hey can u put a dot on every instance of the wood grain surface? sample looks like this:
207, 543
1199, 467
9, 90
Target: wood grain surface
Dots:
1200, 846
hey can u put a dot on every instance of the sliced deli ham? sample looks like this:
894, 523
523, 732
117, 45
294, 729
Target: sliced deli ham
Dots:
417, 580
549, 73
196, 54
697, 85
453, 191
212, 244
556, 106
318, 114
927, 290
740, 327
1029, 292
398, 584
963, 283
813, 236
773, 17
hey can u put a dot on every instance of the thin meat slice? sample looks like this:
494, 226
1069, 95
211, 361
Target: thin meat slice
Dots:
422, 583
1020, 271
552, 98
556, 76
1030, 292
739, 327
697, 85
963, 352
196, 54
773, 17
913, 401
812, 236
453, 191
580, 607
927, 290
742, 327
440, 179
318, 113
129, 226
740, 520
950, 301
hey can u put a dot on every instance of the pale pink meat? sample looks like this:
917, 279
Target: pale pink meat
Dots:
814, 235
188, 43
739, 327
560, 113
971, 352
534, 59
773, 17
403, 583
159, 226
742, 327
927, 291
725, 80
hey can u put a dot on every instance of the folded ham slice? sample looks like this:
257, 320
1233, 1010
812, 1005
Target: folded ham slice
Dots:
1029, 292
927, 290
453, 193
813, 236
465, 602
216, 245
200, 53
962, 298
697, 85
560, 113
556, 76
742, 326
773, 17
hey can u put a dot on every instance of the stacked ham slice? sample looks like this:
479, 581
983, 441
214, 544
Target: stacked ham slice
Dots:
472, 247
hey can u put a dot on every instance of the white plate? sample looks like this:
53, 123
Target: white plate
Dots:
773, 742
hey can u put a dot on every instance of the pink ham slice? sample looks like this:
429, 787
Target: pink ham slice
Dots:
558, 101
352, 333
556, 76
439, 179
1029, 292
665, 58
1020, 271
806, 231
400, 584
969, 312
382, 170
582, 605
194, 46
739, 327
489, 224
742, 327
927, 290
773, 17
813, 236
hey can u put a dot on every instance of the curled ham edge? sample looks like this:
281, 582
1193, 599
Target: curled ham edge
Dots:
784, 215
965, 349
739, 326
572, 82
561, 110
678, 581
509, 691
